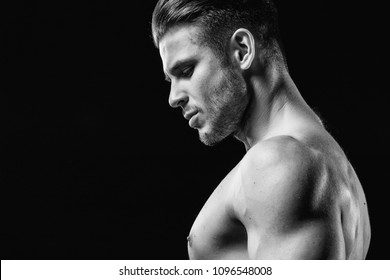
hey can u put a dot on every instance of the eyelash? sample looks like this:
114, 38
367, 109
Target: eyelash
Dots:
187, 72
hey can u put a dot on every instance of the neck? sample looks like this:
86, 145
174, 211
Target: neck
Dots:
275, 109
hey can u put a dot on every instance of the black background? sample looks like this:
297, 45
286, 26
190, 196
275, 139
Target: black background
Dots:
96, 165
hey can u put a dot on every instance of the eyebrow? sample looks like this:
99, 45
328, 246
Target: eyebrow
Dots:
178, 64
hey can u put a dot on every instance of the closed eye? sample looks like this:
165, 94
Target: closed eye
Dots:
181, 69
187, 72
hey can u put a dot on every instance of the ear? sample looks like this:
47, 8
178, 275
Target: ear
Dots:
242, 46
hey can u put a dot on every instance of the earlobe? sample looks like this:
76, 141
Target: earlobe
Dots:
243, 46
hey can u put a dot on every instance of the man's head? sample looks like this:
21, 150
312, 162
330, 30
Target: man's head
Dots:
218, 20
206, 46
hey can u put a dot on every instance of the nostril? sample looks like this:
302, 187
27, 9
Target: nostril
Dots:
182, 103
178, 101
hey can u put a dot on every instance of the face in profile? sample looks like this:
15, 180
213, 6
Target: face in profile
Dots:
213, 97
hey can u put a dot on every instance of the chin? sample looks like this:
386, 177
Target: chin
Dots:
206, 140
211, 137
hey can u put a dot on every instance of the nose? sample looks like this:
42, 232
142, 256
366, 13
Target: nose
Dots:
177, 97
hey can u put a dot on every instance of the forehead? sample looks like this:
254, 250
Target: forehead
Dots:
179, 43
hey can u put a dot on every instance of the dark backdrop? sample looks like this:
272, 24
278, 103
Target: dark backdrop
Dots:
96, 165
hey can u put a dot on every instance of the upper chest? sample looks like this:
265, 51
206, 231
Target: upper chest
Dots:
216, 233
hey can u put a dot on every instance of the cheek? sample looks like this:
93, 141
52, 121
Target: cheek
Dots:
199, 88
209, 83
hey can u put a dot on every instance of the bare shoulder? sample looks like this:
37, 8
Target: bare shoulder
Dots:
278, 151
287, 202
283, 174
281, 158
291, 193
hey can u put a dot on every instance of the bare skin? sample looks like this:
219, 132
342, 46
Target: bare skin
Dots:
294, 195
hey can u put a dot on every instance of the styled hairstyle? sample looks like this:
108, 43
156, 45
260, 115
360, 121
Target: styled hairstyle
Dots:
219, 19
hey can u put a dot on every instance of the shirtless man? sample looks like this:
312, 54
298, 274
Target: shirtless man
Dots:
294, 195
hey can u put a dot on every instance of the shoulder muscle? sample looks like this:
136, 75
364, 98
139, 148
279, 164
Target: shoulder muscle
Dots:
277, 178
275, 201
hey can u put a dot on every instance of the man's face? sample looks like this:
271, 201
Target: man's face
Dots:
213, 98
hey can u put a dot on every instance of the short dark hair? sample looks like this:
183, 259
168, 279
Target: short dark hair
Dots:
219, 19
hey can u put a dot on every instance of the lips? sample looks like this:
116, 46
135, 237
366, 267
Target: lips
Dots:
192, 122
189, 115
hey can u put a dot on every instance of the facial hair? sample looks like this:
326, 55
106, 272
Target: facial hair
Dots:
227, 103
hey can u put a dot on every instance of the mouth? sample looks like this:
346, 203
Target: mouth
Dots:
192, 122
189, 115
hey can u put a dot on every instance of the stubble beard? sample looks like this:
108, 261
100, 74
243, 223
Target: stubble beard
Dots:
227, 104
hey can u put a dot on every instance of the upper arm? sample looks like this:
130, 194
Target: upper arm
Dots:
278, 204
